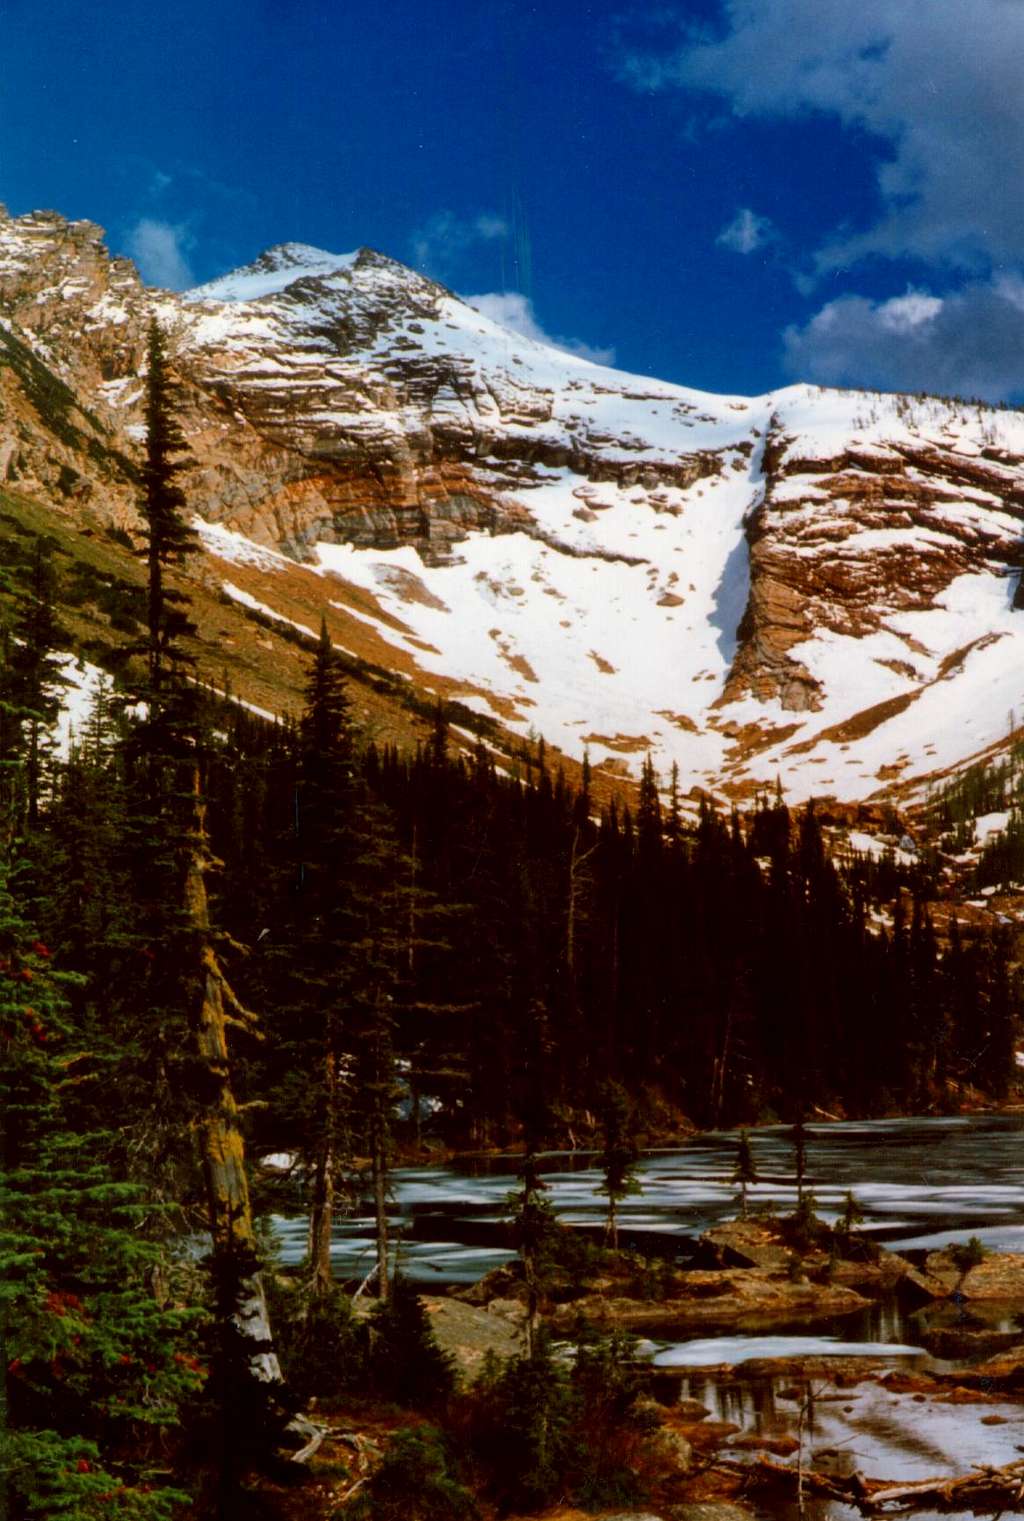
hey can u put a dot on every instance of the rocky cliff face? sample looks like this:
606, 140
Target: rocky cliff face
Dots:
856, 533
813, 584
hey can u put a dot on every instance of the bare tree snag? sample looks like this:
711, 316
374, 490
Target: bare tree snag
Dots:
221, 1145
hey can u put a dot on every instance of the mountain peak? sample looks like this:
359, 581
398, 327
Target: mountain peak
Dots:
273, 271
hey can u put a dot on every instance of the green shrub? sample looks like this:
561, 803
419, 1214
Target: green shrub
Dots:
321, 1345
414, 1483
967, 1254
652, 1279
802, 1229
405, 1363
545, 1431
520, 1430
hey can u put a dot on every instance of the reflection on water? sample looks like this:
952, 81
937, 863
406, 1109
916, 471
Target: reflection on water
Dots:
712, 1351
868, 1428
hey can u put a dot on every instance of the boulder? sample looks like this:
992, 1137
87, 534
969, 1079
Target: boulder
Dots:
674, 1447
1004, 1371
1010, 1360
741, 1243
707, 1436
634, 1515
780, 1445
917, 1287
899, 1382
743, 1298
955, 1343
1000, 1275
508, 1309
940, 1267
960, 1395
469, 1333
500, 1282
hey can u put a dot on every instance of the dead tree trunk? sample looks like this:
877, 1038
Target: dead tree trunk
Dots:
229, 1211
380, 1202
321, 1215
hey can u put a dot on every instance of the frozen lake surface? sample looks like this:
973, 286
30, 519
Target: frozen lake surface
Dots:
917, 1183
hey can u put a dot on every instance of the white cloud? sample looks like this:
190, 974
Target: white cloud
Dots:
513, 310
747, 232
440, 244
160, 250
970, 342
904, 314
935, 83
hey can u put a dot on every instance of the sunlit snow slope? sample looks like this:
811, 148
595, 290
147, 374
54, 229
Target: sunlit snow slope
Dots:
814, 585
810, 584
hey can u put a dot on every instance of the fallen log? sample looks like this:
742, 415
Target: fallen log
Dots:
988, 1488
984, 1489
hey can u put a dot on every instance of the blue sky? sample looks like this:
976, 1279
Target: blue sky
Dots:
727, 193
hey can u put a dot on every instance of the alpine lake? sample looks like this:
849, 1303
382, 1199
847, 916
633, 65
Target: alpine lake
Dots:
919, 1184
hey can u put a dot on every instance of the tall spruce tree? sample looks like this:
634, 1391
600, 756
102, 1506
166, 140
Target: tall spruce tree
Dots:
191, 994
168, 538
311, 942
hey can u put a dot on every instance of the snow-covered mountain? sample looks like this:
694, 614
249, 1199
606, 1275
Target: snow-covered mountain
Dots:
812, 584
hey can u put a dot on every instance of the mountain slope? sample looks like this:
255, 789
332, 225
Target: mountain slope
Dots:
811, 584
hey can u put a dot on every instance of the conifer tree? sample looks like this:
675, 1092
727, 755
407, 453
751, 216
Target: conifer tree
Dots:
533, 1222
800, 1153
168, 538
407, 1363
96, 1368
319, 935
619, 1155
745, 1172
35, 678
343, 949
191, 996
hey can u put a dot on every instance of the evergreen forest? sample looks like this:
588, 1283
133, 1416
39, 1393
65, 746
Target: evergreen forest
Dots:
222, 937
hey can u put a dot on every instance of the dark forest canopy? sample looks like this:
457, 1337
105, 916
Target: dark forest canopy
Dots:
529, 949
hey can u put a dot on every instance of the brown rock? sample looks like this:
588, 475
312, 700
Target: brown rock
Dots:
940, 1267
907, 1383
736, 1297
690, 1410
675, 1447
920, 1287
781, 1444
963, 1396
512, 1310
742, 1243
709, 1510
999, 1276
496, 1284
705, 1436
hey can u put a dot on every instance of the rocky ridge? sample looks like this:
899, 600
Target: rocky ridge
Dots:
817, 585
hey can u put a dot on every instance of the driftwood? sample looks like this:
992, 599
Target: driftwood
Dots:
314, 1435
985, 1489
